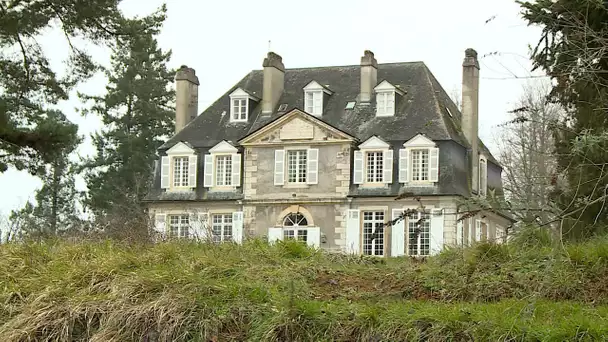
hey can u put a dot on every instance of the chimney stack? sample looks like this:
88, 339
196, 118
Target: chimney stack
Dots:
369, 76
186, 94
470, 109
274, 81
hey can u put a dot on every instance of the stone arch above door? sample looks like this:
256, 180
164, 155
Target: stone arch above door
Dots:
294, 209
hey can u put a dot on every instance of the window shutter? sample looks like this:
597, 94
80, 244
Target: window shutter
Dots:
471, 227
192, 168
436, 231
477, 230
160, 224
236, 169
165, 170
208, 179
352, 231
197, 225
237, 227
314, 237
312, 167
404, 158
398, 235
459, 233
275, 234
387, 166
279, 167
434, 165
358, 168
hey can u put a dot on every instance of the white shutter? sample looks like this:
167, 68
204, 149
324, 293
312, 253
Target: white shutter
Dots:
165, 170
387, 165
436, 231
198, 223
275, 234
434, 165
477, 230
358, 168
237, 227
459, 233
471, 227
404, 157
312, 167
192, 168
205, 232
352, 231
279, 167
160, 224
236, 169
313, 238
398, 235
208, 179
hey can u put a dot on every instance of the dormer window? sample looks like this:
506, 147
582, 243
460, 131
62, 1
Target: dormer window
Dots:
222, 167
385, 98
240, 101
419, 161
179, 168
373, 163
314, 98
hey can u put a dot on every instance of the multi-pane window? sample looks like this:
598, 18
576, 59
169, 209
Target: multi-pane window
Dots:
373, 233
296, 166
374, 167
223, 170
385, 103
292, 222
419, 234
420, 165
314, 102
239, 109
180, 171
179, 226
221, 227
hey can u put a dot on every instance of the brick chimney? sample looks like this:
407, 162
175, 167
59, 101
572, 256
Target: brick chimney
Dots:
369, 76
274, 81
186, 94
470, 109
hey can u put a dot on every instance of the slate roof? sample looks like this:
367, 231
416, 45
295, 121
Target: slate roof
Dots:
423, 108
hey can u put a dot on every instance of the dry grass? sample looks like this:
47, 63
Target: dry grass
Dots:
107, 291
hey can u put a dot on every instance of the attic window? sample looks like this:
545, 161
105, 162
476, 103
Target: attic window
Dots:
350, 105
385, 98
313, 98
239, 105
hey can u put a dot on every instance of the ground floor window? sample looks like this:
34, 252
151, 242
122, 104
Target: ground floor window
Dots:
179, 226
294, 227
373, 233
295, 234
419, 234
221, 228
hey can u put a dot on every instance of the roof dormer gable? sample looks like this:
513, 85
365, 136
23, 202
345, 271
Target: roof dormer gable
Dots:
223, 147
386, 86
374, 143
315, 86
420, 140
180, 148
240, 101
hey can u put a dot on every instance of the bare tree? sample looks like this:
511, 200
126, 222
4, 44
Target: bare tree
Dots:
526, 152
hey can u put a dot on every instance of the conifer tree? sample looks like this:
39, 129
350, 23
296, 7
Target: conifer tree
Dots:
137, 113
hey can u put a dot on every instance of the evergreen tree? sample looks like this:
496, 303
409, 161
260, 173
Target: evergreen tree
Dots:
136, 112
27, 139
573, 50
55, 208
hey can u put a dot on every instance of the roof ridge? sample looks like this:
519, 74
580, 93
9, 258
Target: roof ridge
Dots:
347, 66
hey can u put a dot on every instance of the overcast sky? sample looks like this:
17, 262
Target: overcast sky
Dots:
223, 41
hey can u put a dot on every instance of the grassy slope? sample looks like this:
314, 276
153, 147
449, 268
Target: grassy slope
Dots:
188, 292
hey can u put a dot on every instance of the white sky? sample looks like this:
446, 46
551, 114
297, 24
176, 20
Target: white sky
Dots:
223, 41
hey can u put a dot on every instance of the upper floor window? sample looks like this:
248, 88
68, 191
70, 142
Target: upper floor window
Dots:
373, 163
179, 167
222, 166
385, 98
313, 98
239, 105
483, 176
419, 161
301, 166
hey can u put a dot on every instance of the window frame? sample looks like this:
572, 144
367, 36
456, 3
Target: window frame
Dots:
482, 182
375, 221
227, 175
366, 154
298, 152
180, 226
412, 220
388, 96
185, 171
223, 224
420, 173
314, 103
240, 113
